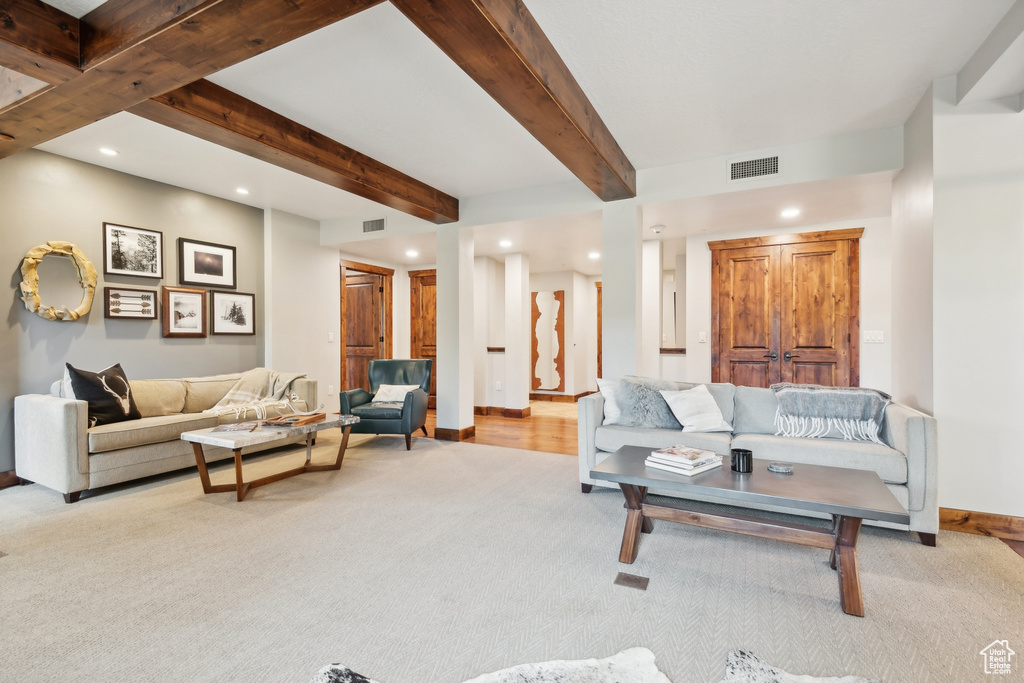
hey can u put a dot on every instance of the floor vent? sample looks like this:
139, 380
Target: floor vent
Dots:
376, 225
631, 581
754, 168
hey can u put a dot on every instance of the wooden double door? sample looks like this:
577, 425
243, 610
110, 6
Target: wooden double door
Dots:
423, 322
786, 309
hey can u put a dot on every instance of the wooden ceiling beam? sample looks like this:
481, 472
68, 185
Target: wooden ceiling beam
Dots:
39, 41
222, 34
118, 25
501, 46
210, 112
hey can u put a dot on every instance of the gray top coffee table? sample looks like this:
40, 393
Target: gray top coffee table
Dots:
848, 495
236, 441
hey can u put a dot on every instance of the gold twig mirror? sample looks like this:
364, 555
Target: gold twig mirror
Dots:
30, 281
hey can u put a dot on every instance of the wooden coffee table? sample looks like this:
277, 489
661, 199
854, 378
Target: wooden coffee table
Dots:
849, 496
236, 441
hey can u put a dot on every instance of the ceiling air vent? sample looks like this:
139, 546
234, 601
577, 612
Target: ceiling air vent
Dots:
753, 168
376, 225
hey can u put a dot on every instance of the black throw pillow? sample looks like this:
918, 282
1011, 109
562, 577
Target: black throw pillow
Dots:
107, 392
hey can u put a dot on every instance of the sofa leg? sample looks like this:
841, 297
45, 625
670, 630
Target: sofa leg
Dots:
72, 497
586, 488
408, 442
927, 539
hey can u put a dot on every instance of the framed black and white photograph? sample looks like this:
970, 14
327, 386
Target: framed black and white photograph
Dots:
206, 265
232, 313
184, 313
132, 251
130, 304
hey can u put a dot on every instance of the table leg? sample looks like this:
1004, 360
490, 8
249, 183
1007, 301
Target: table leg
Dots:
850, 596
204, 474
634, 522
336, 465
835, 531
241, 487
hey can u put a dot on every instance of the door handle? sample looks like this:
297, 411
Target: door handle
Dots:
789, 356
774, 355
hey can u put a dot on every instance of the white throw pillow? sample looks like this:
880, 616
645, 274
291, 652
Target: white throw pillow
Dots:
612, 413
390, 393
696, 410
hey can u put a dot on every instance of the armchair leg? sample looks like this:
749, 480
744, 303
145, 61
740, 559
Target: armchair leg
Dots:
424, 428
408, 442
72, 497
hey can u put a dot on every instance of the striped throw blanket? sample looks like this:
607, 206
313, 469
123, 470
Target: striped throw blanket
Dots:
812, 411
256, 390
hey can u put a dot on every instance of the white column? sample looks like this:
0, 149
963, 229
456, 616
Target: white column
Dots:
650, 309
517, 331
620, 289
454, 328
681, 300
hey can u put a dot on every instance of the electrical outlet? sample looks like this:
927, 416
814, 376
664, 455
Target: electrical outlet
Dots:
330, 390
497, 386
330, 337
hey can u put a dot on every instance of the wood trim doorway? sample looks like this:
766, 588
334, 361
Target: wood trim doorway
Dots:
364, 337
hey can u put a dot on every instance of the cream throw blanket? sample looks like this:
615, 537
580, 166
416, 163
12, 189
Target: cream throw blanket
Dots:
256, 390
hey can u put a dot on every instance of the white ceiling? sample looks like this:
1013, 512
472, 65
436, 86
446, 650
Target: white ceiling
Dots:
673, 81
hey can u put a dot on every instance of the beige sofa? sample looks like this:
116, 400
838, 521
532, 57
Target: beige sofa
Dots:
54, 447
907, 461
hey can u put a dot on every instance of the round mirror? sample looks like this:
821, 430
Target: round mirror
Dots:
84, 270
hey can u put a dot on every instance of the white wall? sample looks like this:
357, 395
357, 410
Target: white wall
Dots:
911, 294
580, 339
875, 313
979, 303
302, 302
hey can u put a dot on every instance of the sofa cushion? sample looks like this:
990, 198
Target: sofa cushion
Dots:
379, 411
107, 392
609, 391
146, 430
722, 392
696, 410
755, 411
159, 396
203, 393
642, 404
890, 464
611, 438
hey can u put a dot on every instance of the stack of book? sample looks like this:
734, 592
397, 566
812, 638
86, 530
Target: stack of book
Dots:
683, 460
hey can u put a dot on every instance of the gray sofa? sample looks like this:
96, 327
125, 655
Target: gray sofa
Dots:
907, 463
53, 445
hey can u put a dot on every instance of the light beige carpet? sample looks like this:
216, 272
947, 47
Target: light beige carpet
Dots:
453, 560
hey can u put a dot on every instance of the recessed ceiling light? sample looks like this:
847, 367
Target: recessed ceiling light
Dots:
241, 190
412, 253
505, 243
109, 152
791, 212
594, 255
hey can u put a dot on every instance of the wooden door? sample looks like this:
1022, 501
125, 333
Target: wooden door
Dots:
423, 305
748, 317
817, 303
362, 328
786, 309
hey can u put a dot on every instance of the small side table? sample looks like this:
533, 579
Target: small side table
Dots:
236, 441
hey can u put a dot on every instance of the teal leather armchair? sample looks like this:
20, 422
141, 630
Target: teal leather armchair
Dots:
403, 417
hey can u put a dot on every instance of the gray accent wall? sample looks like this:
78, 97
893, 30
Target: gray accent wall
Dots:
44, 197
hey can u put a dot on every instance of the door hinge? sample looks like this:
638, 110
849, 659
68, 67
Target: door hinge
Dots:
381, 339
380, 289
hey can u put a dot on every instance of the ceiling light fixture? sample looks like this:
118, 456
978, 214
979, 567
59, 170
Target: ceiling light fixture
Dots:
412, 253
505, 244
241, 190
594, 255
791, 212
656, 229
109, 152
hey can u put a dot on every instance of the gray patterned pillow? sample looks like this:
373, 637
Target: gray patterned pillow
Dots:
642, 404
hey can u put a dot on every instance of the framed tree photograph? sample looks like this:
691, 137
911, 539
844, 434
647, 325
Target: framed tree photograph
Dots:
132, 251
232, 313
206, 265
184, 312
130, 304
